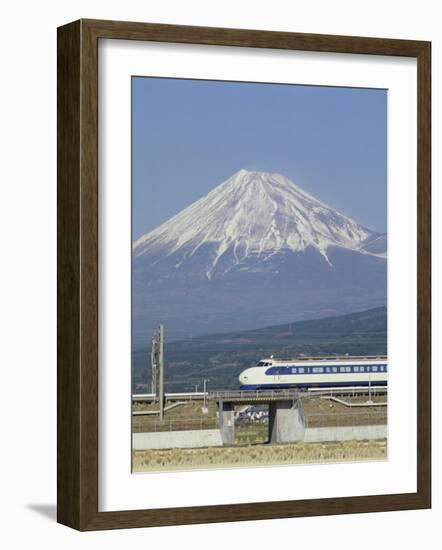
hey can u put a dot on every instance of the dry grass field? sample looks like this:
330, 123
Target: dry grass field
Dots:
187, 416
258, 455
325, 412
251, 434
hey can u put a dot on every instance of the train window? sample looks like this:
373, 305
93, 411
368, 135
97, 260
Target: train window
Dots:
261, 364
301, 370
356, 369
374, 368
334, 369
347, 369
293, 370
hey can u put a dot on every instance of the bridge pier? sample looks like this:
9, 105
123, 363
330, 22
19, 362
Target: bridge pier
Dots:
285, 422
226, 420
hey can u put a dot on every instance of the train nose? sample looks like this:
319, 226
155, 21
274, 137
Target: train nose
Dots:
243, 378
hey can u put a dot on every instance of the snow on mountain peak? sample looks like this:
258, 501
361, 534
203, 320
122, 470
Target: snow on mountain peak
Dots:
254, 212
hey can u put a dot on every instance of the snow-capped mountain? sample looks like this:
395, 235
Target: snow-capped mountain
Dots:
255, 250
254, 213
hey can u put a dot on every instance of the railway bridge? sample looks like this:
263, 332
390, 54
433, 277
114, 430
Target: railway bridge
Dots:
285, 410
286, 414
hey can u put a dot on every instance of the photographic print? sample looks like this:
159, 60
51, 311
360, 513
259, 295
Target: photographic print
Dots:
222, 223
259, 274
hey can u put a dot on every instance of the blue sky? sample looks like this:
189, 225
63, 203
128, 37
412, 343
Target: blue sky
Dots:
190, 135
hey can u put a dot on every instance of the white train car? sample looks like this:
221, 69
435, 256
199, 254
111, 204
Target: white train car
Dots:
316, 372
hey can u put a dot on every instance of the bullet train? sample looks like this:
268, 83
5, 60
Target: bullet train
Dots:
315, 372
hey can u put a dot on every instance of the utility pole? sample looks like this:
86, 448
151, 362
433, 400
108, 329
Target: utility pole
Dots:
161, 365
154, 362
205, 408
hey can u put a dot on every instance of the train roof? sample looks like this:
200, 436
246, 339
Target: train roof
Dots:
320, 358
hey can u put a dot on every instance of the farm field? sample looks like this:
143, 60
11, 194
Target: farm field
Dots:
321, 413
258, 455
186, 416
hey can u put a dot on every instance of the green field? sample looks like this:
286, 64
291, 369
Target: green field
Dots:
221, 357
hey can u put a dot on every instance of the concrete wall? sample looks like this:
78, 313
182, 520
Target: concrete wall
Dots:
227, 422
345, 433
285, 422
181, 439
285, 425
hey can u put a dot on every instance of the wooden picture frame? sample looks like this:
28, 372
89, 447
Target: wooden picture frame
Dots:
77, 461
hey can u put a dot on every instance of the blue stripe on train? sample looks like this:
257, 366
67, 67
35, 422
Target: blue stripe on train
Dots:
315, 385
284, 370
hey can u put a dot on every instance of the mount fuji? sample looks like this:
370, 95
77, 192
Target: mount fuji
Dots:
257, 250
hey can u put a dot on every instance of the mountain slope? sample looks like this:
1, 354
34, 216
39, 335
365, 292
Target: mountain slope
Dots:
254, 251
251, 214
